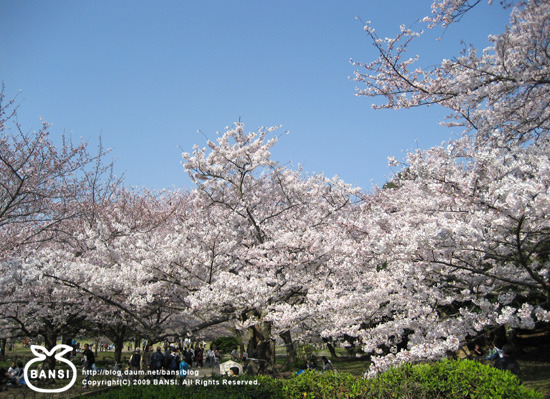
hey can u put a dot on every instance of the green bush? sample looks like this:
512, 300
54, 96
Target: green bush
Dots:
226, 344
460, 379
449, 379
306, 352
313, 384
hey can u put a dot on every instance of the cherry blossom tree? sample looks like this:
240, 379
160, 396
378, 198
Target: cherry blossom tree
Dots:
36, 307
269, 234
39, 182
464, 234
121, 259
459, 239
41, 191
505, 88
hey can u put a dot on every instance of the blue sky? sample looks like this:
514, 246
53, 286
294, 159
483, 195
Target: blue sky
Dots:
146, 75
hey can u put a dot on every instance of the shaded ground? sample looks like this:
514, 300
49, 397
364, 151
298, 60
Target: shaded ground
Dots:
535, 367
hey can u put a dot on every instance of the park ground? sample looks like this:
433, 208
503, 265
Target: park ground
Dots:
534, 361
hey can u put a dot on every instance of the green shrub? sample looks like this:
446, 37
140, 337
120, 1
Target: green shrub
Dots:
460, 379
305, 352
451, 379
226, 344
311, 384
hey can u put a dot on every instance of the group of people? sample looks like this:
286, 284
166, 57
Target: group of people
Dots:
13, 375
503, 358
312, 365
173, 358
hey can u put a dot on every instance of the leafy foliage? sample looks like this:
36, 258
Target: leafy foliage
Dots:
446, 379
226, 344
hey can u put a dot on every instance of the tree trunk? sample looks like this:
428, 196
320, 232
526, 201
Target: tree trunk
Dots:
119, 345
117, 334
260, 345
239, 336
330, 348
67, 340
3, 343
145, 354
272, 352
289, 345
50, 340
